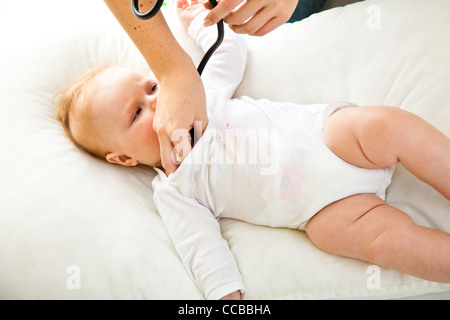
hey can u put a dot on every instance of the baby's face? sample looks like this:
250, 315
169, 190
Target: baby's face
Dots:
123, 105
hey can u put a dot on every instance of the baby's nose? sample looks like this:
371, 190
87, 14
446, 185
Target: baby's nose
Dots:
152, 102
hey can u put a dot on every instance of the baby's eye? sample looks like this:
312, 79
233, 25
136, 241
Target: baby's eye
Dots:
152, 89
137, 113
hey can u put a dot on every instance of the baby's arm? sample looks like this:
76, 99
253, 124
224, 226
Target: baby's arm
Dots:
225, 69
196, 235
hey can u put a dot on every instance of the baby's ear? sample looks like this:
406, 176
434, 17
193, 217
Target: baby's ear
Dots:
122, 159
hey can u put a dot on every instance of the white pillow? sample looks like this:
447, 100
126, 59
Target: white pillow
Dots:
73, 227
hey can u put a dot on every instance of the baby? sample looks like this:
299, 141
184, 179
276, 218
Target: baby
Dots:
318, 168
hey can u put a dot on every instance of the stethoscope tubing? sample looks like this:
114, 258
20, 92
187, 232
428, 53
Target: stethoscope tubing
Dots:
157, 6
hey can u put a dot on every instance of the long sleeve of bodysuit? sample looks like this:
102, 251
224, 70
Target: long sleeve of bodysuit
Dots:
197, 238
194, 228
225, 69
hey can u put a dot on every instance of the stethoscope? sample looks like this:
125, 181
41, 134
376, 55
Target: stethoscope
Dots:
149, 14
220, 33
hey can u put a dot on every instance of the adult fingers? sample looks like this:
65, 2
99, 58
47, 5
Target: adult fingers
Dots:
254, 24
271, 25
207, 5
181, 145
263, 22
222, 10
258, 28
173, 152
199, 127
167, 157
246, 11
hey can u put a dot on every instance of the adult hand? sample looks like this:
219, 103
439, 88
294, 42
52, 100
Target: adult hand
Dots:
254, 17
181, 97
179, 108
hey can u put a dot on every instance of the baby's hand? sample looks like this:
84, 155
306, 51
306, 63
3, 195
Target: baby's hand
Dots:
236, 295
187, 12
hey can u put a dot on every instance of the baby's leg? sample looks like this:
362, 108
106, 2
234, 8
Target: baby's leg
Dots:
365, 227
379, 137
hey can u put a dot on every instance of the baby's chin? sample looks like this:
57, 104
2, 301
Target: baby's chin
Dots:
154, 164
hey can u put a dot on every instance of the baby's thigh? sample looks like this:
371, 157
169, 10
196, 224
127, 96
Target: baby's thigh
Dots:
352, 132
349, 226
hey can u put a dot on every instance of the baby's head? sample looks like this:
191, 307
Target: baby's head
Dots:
108, 112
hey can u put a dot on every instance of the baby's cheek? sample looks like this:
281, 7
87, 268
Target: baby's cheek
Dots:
154, 140
150, 132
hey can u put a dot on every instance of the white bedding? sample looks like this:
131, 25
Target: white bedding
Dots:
73, 227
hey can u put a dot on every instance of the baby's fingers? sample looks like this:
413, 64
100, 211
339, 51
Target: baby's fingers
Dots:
182, 4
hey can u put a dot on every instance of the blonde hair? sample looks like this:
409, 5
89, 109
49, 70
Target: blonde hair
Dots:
72, 104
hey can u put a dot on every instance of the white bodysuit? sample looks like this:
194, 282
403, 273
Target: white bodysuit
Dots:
258, 161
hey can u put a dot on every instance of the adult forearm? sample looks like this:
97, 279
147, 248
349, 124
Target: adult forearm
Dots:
181, 96
153, 38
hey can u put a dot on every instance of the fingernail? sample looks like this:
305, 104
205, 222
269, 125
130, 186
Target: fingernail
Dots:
207, 23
